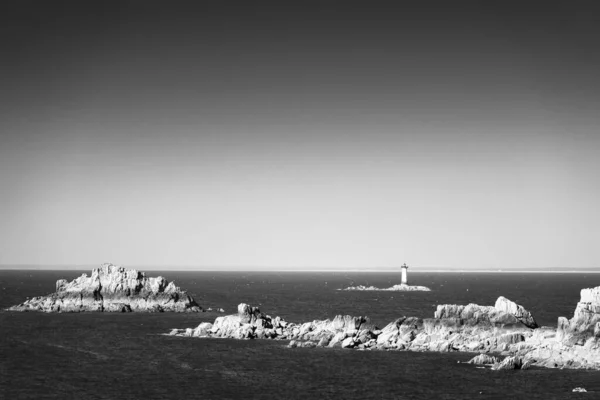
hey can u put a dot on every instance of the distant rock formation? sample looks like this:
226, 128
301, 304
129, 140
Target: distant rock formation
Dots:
506, 328
396, 288
113, 289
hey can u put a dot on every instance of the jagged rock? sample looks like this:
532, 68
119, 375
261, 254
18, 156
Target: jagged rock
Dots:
113, 289
508, 363
203, 330
396, 288
390, 334
585, 322
441, 346
510, 338
483, 359
526, 364
555, 354
510, 307
60, 284
337, 339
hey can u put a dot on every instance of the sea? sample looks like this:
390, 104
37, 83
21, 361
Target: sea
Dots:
127, 356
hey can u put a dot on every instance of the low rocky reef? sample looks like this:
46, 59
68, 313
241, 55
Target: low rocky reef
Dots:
396, 288
505, 329
113, 289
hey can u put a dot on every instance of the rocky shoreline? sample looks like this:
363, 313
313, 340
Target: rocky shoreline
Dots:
504, 330
113, 289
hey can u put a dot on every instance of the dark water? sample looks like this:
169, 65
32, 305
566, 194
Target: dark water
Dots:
111, 356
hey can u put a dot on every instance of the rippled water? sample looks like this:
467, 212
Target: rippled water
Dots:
122, 355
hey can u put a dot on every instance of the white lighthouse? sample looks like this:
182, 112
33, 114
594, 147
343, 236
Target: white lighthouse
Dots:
404, 273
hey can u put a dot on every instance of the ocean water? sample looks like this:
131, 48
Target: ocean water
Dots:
114, 356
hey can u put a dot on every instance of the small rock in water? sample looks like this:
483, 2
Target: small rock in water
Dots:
580, 390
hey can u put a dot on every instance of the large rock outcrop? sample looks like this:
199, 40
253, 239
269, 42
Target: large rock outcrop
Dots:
113, 289
585, 323
577, 341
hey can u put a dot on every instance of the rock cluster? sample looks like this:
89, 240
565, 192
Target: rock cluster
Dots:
454, 328
113, 289
506, 329
250, 323
396, 288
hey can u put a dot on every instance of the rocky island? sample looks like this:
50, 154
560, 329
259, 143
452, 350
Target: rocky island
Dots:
113, 289
396, 288
504, 330
402, 287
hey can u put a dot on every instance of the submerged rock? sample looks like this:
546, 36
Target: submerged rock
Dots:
113, 289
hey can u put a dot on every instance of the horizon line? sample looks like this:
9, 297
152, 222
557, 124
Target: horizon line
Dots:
162, 268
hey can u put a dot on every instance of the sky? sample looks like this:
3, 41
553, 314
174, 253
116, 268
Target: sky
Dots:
290, 135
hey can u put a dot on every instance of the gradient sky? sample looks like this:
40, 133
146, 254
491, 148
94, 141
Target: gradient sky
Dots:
358, 135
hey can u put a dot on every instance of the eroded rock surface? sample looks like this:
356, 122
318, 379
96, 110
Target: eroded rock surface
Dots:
113, 289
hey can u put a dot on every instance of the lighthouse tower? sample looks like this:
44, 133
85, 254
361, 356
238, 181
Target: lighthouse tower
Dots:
404, 272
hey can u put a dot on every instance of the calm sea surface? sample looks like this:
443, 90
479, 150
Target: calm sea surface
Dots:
111, 356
